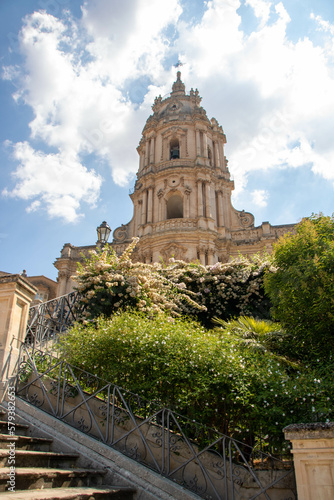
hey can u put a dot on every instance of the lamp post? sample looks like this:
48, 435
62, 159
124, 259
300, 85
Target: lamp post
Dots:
103, 232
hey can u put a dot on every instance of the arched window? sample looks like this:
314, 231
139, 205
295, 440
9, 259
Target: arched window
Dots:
174, 149
175, 207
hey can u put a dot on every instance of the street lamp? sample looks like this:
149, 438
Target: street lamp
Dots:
103, 232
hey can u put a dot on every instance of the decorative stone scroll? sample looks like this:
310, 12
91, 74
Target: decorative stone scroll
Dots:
246, 218
120, 233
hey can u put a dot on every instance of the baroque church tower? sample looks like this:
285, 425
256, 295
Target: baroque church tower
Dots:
182, 195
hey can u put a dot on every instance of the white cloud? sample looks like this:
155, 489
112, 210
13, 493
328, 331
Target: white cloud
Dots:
55, 181
208, 45
127, 37
260, 197
278, 96
261, 9
274, 97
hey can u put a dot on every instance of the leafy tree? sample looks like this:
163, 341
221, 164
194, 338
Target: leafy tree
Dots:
301, 288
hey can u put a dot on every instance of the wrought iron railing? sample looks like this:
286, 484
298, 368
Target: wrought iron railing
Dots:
212, 465
47, 320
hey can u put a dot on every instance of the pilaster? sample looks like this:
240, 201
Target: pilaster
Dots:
313, 456
16, 294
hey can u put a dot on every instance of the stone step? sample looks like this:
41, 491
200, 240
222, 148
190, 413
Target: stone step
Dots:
25, 442
13, 428
42, 478
41, 474
31, 458
103, 493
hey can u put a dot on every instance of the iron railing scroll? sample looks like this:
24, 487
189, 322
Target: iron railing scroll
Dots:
210, 464
49, 319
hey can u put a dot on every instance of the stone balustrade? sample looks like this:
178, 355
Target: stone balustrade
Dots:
172, 224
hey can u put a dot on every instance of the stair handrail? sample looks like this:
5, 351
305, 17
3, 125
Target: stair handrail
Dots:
51, 318
104, 410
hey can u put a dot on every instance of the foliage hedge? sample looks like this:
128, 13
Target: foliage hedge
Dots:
211, 376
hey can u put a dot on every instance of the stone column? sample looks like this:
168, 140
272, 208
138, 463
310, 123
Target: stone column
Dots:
150, 205
202, 256
217, 159
136, 222
200, 198
211, 257
208, 200
187, 204
16, 294
144, 208
198, 143
152, 150
63, 278
205, 145
147, 152
142, 160
313, 456
160, 195
220, 221
227, 209
164, 150
139, 214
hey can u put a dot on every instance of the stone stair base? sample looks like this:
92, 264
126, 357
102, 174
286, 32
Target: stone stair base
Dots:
120, 471
71, 494
39, 474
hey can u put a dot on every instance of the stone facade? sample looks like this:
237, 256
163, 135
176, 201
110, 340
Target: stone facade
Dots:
182, 195
46, 287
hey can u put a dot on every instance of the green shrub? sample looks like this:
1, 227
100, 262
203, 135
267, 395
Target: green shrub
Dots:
210, 376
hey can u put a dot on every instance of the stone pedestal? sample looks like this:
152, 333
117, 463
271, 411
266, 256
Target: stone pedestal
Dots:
16, 294
313, 455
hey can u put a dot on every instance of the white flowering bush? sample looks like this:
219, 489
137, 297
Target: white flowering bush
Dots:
108, 283
224, 289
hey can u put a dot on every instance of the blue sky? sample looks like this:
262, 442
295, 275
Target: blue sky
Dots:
78, 79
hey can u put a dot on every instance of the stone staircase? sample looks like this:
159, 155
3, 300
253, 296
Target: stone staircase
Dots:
41, 474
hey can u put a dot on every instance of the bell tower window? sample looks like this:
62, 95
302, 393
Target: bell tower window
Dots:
175, 207
174, 149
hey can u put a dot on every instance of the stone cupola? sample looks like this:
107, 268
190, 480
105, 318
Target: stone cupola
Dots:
182, 195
